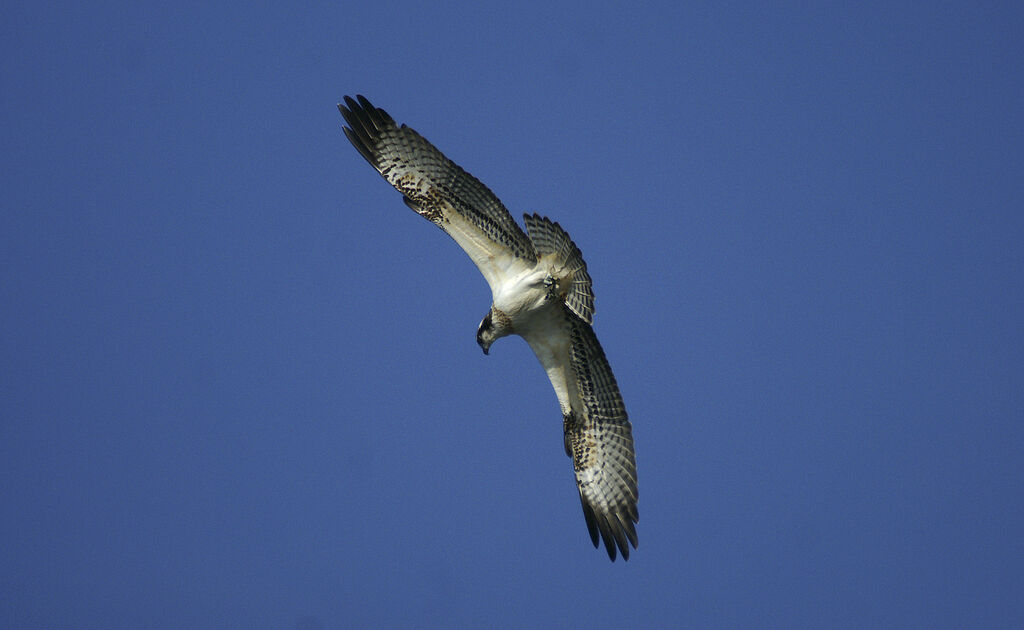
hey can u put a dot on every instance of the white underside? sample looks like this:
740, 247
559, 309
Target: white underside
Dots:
541, 322
518, 290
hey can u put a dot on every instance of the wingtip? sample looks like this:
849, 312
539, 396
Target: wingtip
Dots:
588, 515
607, 537
615, 529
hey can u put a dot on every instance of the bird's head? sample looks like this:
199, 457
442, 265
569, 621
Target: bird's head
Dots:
494, 325
486, 334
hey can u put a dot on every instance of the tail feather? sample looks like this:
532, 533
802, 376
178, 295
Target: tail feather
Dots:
550, 239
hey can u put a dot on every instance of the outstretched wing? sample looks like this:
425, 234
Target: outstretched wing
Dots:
599, 439
438, 189
598, 436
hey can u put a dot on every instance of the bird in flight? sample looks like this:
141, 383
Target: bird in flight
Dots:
541, 292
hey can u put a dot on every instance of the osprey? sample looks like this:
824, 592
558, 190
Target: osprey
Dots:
541, 292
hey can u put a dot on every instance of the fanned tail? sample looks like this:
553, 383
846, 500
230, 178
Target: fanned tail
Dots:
550, 239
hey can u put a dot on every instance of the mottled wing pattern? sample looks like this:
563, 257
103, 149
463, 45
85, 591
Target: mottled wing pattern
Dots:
599, 439
432, 184
549, 238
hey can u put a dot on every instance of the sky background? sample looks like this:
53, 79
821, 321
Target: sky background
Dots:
239, 382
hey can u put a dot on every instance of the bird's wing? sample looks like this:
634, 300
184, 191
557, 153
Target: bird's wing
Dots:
598, 435
599, 439
438, 189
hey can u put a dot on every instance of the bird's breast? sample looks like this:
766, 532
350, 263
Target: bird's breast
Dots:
523, 297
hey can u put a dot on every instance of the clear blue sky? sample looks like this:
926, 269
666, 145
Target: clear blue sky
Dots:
239, 382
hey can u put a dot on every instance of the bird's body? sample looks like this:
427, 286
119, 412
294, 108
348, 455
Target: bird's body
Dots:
540, 291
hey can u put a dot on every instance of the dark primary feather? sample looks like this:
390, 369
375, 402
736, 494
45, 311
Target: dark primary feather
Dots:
430, 181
